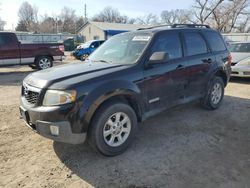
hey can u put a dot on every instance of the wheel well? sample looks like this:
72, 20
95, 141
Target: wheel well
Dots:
124, 99
223, 75
38, 56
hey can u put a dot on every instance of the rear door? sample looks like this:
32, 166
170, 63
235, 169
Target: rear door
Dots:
164, 82
9, 48
199, 63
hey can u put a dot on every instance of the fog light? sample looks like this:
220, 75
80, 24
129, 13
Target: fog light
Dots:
54, 130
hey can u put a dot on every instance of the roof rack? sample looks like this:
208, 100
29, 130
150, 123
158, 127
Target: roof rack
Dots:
190, 25
156, 26
178, 26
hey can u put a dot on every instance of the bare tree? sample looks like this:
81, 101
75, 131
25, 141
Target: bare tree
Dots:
28, 16
231, 16
48, 24
175, 16
111, 15
203, 9
2, 23
149, 19
68, 19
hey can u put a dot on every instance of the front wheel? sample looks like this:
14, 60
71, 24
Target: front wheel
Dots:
113, 128
84, 57
214, 95
43, 62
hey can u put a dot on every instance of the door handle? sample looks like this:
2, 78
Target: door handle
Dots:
209, 60
180, 66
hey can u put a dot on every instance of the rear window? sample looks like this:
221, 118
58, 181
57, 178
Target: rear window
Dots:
215, 41
6, 39
195, 44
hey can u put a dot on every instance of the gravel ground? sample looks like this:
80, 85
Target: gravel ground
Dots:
187, 146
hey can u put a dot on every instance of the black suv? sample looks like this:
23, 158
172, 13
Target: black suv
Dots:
130, 77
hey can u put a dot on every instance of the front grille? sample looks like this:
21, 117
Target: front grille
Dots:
31, 94
32, 97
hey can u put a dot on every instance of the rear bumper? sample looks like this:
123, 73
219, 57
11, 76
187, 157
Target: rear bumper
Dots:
58, 58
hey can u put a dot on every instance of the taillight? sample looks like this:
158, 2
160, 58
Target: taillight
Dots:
61, 48
229, 59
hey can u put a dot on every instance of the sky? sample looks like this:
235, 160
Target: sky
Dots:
131, 8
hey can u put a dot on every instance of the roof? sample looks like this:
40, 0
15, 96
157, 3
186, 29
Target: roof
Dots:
105, 26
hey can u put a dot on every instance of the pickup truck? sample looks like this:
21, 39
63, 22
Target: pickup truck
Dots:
129, 78
37, 55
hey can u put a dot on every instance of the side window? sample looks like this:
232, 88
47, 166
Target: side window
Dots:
170, 43
195, 44
95, 44
215, 41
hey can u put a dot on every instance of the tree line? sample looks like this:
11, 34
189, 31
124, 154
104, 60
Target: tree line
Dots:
223, 15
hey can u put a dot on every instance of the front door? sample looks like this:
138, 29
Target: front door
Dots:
165, 82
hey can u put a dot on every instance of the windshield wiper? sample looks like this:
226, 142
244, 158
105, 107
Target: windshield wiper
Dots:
101, 60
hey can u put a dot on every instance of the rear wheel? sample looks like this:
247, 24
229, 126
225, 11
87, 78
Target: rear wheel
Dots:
113, 128
215, 93
43, 62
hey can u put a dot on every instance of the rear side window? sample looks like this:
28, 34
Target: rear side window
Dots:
215, 41
170, 43
195, 44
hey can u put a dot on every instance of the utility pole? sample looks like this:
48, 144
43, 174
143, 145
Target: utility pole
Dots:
85, 13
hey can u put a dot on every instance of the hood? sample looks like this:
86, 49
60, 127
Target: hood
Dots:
239, 56
45, 78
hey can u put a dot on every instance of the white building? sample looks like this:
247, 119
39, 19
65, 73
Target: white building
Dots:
103, 30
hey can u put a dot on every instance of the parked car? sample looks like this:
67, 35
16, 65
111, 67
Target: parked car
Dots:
129, 78
84, 50
240, 59
37, 55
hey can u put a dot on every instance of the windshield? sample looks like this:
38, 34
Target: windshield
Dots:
240, 47
86, 44
125, 48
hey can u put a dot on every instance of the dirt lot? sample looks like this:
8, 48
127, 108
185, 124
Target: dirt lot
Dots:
183, 147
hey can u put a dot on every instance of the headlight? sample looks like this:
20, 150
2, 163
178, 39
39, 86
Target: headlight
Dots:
244, 62
55, 97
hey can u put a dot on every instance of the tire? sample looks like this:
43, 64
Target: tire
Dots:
214, 94
84, 57
43, 62
118, 135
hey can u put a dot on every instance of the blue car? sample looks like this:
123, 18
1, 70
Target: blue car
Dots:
84, 50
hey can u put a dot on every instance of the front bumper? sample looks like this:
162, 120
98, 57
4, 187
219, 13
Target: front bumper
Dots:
43, 128
240, 71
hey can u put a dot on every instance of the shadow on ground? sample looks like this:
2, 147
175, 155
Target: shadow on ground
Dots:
183, 147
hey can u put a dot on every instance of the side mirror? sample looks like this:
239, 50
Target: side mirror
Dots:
92, 46
159, 57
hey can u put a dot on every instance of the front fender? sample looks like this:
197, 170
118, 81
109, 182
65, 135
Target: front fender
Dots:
96, 97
